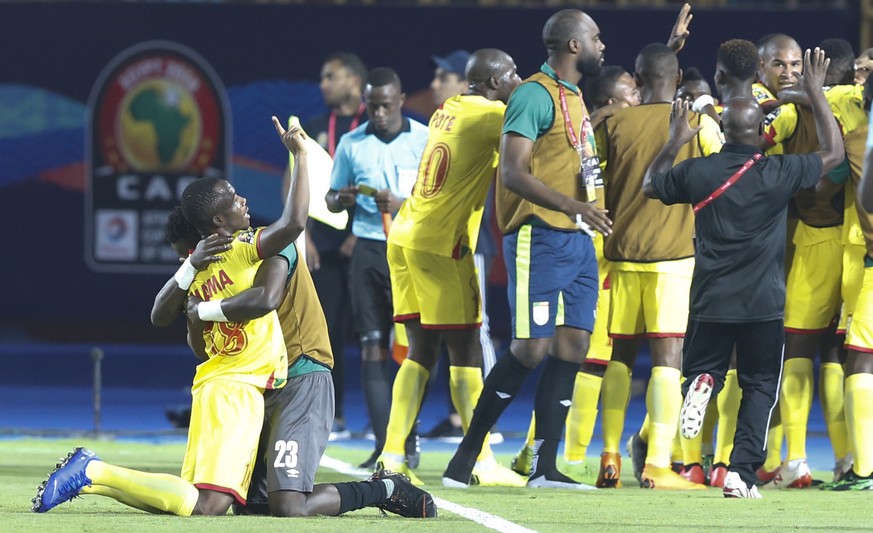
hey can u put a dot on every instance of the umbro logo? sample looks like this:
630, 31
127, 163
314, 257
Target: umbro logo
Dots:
503, 395
566, 403
292, 472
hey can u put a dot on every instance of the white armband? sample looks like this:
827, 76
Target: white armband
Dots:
185, 275
702, 101
211, 311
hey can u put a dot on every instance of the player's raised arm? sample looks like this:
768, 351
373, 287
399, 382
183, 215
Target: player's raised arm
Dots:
832, 151
679, 34
291, 224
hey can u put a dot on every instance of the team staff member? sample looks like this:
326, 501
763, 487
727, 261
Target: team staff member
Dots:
737, 293
651, 253
329, 250
430, 254
546, 132
381, 155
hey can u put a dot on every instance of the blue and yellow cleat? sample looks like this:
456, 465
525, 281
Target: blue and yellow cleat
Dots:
65, 482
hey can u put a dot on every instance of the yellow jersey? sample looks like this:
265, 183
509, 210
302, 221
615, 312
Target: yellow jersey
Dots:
250, 352
445, 210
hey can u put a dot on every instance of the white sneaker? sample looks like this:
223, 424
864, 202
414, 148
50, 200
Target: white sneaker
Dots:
793, 474
843, 467
735, 487
694, 408
556, 480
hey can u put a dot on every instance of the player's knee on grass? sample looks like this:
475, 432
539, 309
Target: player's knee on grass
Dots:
212, 503
290, 504
251, 509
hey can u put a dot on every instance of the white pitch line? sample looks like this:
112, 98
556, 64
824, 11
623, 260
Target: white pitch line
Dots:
480, 517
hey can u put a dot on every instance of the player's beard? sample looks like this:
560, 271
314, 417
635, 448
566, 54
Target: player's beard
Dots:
590, 67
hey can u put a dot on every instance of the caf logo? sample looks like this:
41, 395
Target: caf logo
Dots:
158, 111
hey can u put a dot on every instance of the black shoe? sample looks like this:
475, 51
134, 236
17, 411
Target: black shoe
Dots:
370, 463
406, 499
413, 447
445, 429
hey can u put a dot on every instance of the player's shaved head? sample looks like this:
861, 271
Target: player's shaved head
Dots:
841, 70
742, 118
487, 62
656, 61
776, 43
563, 26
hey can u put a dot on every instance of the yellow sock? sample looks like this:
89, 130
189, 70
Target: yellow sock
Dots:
774, 443
531, 430
728, 403
582, 416
465, 385
859, 413
119, 496
644, 428
830, 386
795, 400
615, 395
405, 402
692, 449
663, 402
163, 492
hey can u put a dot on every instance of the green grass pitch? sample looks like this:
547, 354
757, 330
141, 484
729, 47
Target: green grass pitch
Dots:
24, 463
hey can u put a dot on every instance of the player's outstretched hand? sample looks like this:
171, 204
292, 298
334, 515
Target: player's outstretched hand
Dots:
680, 32
294, 139
680, 131
210, 250
815, 66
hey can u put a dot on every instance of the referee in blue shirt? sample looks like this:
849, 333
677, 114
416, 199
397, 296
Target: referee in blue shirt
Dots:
374, 170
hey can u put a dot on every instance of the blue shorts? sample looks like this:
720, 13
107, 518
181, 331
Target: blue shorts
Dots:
552, 280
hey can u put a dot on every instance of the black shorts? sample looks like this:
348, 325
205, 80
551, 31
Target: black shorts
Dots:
297, 422
370, 286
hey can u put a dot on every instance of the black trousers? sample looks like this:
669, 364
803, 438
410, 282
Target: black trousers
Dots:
332, 285
760, 348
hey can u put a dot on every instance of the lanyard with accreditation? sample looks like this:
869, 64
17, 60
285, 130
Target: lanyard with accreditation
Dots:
589, 165
727, 185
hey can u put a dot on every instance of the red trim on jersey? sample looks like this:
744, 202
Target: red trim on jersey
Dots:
799, 331
451, 326
841, 332
859, 349
225, 490
626, 337
405, 318
606, 282
270, 381
600, 362
664, 335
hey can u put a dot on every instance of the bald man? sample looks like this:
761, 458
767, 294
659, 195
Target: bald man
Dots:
430, 256
737, 292
541, 210
780, 68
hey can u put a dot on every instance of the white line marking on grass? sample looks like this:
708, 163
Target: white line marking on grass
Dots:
480, 517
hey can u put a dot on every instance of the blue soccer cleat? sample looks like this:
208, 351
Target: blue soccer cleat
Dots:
65, 482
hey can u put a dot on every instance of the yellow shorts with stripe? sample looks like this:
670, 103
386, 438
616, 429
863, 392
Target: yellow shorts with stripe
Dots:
226, 421
600, 347
859, 336
812, 293
440, 291
853, 277
649, 299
